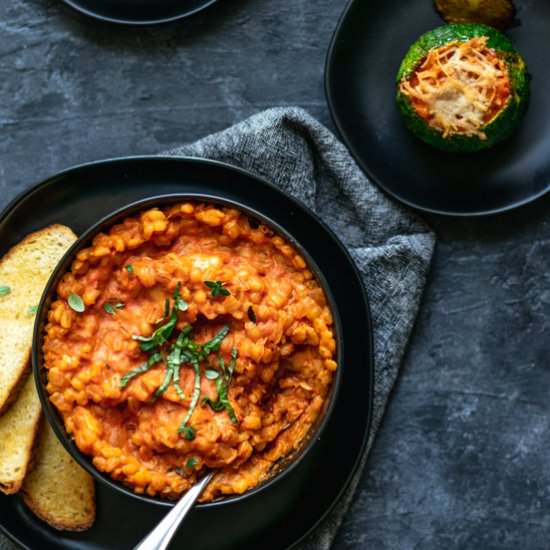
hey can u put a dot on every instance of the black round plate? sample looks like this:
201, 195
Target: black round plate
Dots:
286, 511
366, 50
139, 12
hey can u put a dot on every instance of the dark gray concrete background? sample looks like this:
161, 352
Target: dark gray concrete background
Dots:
461, 460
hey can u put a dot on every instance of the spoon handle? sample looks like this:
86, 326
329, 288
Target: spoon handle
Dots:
159, 538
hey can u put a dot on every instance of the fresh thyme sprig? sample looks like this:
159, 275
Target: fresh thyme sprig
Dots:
217, 288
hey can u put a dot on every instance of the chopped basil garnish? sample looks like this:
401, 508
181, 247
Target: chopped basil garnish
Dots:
183, 429
154, 359
216, 342
222, 387
192, 462
185, 350
160, 336
176, 383
111, 308
4, 290
151, 362
217, 288
130, 268
32, 310
252, 315
134, 372
168, 375
76, 303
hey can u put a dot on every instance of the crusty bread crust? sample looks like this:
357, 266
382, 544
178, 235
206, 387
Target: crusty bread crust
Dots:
58, 490
17, 387
18, 430
26, 267
32, 460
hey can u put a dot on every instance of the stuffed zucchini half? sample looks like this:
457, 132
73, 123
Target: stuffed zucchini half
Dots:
462, 87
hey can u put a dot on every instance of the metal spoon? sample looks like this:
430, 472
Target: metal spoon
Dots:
159, 538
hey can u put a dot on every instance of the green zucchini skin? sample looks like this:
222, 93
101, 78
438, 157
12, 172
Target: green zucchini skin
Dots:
497, 129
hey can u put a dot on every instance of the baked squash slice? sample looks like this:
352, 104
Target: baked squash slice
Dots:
462, 87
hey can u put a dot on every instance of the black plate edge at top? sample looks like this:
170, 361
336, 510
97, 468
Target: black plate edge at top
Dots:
76, 5
364, 299
358, 158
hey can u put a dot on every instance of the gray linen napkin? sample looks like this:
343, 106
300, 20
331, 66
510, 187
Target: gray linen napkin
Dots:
391, 246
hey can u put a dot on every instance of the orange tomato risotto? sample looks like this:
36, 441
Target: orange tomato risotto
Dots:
187, 338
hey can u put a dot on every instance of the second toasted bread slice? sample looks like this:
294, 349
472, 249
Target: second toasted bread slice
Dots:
24, 271
58, 490
18, 429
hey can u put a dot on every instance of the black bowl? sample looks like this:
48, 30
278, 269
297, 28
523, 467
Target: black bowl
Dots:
49, 295
139, 12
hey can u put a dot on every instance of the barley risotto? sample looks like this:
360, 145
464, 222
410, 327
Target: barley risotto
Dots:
186, 338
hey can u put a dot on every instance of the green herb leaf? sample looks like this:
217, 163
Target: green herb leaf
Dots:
148, 346
233, 363
184, 429
176, 383
252, 315
163, 333
179, 303
216, 406
76, 303
111, 308
166, 308
231, 412
32, 310
154, 359
130, 374
185, 332
168, 375
160, 336
221, 363
222, 402
216, 342
130, 268
4, 290
211, 374
174, 362
217, 288
192, 462
187, 432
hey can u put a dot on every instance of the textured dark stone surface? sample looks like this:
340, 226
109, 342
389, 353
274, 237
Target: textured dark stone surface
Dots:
461, 459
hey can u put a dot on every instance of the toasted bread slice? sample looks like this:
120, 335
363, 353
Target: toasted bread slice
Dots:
24, 271
58, 490
18, 429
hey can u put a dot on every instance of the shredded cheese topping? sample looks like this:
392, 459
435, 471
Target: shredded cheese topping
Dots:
459, 87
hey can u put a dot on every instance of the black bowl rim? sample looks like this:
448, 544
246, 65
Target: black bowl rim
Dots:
329, 62
75, 5
63, 265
